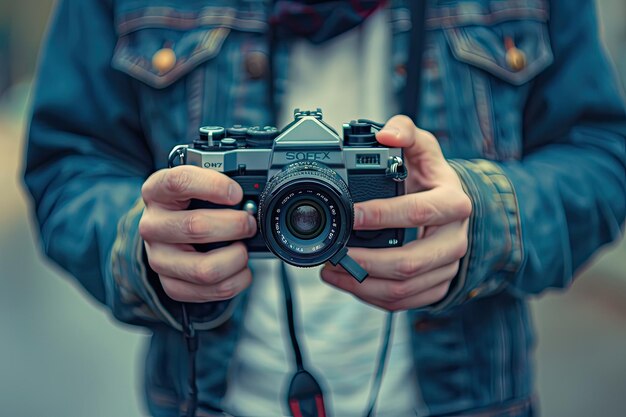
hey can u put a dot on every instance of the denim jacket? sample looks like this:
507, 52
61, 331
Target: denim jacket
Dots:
539, 146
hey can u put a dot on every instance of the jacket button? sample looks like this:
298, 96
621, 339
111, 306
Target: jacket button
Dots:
400, 69
164, 60
515, 59
474, 293
256, 65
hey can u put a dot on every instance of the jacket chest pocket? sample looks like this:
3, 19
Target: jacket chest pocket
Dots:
497, 48
191, 66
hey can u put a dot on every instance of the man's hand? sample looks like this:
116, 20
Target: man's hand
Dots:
420, 272
168, 231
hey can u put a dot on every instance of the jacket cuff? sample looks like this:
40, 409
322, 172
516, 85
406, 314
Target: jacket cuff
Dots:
494, 252
139, 294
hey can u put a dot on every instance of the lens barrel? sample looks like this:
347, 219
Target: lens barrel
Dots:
306, 213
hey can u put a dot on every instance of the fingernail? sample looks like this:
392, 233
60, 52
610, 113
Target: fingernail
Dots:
391, 130
358, 217
234, 193
252, 224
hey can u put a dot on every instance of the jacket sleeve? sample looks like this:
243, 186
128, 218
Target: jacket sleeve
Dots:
538, 220
87, 159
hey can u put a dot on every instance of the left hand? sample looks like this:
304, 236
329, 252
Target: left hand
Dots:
420, 272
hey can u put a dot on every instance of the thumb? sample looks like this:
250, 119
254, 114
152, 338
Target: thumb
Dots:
421, 151
398, 132
401, 132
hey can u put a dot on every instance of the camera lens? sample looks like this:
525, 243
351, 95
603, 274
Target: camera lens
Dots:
306, 219
305, 213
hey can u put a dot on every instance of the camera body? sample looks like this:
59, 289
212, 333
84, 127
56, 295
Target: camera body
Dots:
301, 183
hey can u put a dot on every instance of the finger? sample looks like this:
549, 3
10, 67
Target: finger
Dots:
421, 153
426, 298
389, 291
194, 293
401, 132
448, 244
393, 295
398, 132
196, 226
438, 206
199, 268
174, 187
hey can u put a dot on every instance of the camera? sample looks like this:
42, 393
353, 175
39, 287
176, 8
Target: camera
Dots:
301, 183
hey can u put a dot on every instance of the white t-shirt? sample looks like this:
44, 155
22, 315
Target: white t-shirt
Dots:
340, 335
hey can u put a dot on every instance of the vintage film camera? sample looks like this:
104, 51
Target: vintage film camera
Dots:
301, 183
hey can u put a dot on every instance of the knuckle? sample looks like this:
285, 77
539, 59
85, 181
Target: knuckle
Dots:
428, 138
233, 286
398, 291
177, 180
241, 225
145, 188
207, 272
453, 269
241, 254
226, 290
440, 292
172, 289
145, 227
193, 225
395, 306
148, 186
408, 267
156, 263
374, 215
461, 247
464, 206
419, 213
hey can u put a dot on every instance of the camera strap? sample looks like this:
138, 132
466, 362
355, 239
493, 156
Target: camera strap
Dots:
305, 397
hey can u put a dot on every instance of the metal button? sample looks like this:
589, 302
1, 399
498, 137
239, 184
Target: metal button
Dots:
516, 59
256, 64
164, 60
474, 293
400, 69
422, 325
250, 207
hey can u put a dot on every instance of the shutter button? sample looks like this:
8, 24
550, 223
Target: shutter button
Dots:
164, 60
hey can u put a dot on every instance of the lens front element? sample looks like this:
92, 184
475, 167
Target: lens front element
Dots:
306, 219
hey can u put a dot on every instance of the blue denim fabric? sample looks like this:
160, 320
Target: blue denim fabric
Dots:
540, 151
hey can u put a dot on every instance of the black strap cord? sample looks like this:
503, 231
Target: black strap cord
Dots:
290, 318
305, 397
191, 339
412, 89
271, 73
382, 361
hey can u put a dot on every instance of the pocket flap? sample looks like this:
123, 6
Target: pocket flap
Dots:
485, 46
189, 36
135, 52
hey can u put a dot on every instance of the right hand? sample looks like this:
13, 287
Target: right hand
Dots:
169, 230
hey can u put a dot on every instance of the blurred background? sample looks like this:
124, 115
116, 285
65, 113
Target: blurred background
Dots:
61, 355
